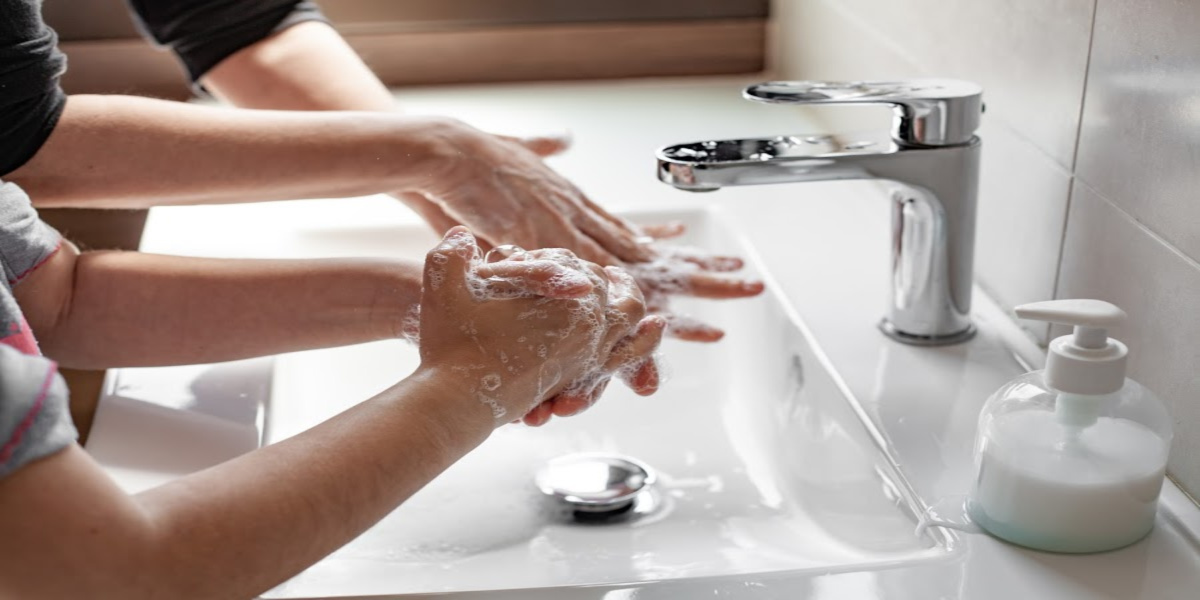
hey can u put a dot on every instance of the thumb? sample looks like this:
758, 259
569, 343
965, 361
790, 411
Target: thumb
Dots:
447, 265
544, 145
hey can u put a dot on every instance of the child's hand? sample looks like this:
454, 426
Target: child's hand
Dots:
541, 330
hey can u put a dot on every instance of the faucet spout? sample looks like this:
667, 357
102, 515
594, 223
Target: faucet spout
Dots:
933, 203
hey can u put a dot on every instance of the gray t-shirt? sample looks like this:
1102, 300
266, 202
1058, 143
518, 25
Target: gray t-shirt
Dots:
35, 419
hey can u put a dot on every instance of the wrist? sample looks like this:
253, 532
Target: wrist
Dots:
443, 145
395, 300
452, 414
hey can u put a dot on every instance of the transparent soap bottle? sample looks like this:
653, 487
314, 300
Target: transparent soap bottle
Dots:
1071, 458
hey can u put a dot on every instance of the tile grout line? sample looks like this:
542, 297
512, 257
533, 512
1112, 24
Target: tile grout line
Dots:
854, 20
1074, 180
1142, 227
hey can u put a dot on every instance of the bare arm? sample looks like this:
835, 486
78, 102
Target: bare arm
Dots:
237, 529
128, 152
108, 309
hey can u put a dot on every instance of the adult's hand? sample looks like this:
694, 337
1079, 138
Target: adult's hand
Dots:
500, 188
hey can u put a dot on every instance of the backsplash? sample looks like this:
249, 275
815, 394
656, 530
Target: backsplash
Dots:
1091, 161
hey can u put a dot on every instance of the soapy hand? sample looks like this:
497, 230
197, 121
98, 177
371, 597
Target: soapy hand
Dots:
501, 189
535, 335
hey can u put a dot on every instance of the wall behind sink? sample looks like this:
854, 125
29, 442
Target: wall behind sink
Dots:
1091, 162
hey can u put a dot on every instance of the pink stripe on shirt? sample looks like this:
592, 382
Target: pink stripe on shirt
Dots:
21, 337
11, 445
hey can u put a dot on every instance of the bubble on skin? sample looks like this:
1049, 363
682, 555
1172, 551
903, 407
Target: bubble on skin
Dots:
436, 278
664, 367
567, 280
498, 411
410, 326
490, 382
664, 275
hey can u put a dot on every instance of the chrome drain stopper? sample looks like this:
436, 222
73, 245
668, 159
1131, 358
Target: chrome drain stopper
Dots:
597, 486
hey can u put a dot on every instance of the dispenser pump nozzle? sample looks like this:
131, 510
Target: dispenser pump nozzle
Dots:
1087, 362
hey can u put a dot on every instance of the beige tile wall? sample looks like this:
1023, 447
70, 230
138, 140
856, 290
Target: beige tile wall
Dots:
1091, 163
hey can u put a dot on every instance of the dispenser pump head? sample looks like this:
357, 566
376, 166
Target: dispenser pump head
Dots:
1088, 361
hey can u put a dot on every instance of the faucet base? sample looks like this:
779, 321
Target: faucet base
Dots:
959, 337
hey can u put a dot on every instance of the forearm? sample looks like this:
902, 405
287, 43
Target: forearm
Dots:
305, 67
287, 505
237, 529
133, 309
127, 152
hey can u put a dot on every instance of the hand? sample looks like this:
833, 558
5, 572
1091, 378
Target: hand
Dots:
500, 187
540, 329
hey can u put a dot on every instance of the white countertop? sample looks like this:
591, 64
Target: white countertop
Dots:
928, 421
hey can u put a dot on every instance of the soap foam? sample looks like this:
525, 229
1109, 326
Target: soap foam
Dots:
585, 316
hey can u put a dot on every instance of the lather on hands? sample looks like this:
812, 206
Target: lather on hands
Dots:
500, 188
536, 335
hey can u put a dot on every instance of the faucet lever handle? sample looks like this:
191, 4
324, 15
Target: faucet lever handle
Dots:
928, 112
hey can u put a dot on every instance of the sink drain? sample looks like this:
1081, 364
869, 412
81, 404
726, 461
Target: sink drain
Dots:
598, 487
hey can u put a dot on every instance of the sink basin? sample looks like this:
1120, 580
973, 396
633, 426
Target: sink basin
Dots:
764, 461
764, 464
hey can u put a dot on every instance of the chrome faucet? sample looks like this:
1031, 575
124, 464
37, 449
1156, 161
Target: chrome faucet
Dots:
931, 152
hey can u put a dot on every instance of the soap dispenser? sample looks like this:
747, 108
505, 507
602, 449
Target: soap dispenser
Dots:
1071, 458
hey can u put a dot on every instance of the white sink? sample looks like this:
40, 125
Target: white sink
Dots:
764, 463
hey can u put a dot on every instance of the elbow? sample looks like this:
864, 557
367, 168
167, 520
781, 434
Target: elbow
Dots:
47, 297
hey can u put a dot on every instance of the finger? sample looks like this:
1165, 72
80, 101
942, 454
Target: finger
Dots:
691, 330
450, 261
540, 277
625, 308
569, 404
639, 346
703, 285
618, 222
590, 250
708, 262
664, 231
643, 379
429, 211
616, 240
623, 285
543, 145
539, 415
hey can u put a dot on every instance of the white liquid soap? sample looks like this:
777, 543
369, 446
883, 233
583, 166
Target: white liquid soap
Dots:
1041, 485
1072, 458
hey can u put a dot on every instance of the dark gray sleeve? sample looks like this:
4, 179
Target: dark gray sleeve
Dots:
204, 32
30, 67
35, 418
